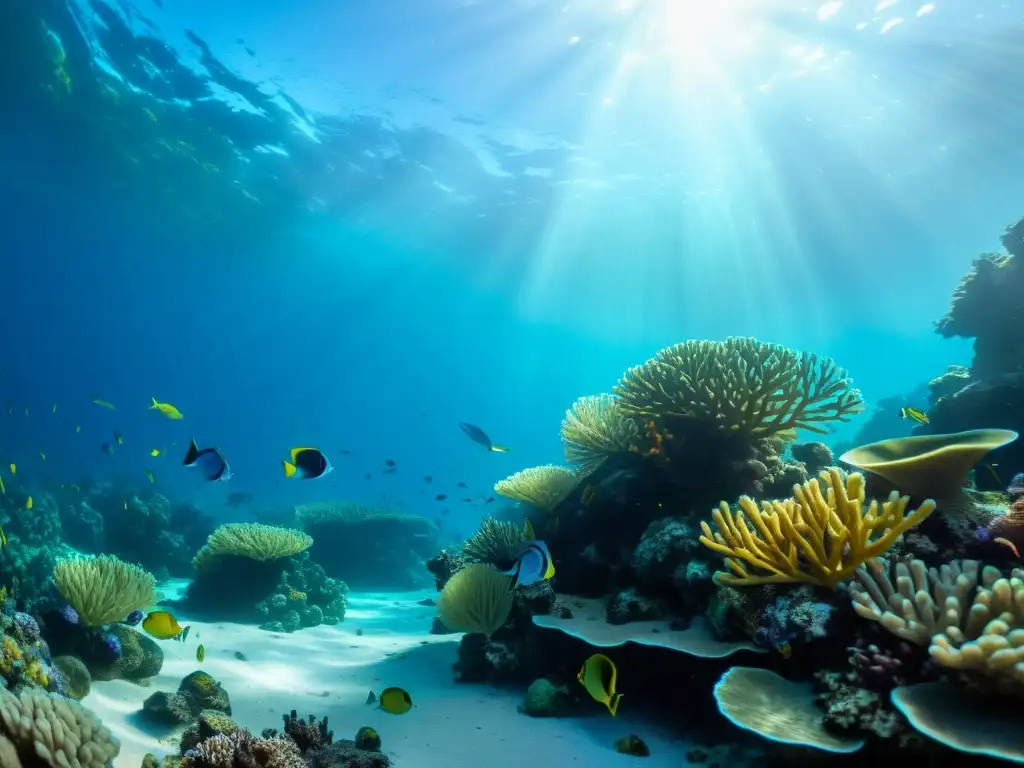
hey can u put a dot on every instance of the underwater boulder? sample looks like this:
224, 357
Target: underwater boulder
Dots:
167, 708
203, 692
140, 657
547, 699
78, 681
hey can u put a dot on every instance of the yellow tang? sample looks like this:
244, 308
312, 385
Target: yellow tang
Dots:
200, 653
14, 469
28, 503
162, 626
155, 452
395, 700
166, 409
598, 675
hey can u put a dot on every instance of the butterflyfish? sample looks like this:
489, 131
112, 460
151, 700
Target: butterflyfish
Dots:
163, 626
307, 464
396, 701
209, 461
480, 437
166, 409
913, 414
599, 676
533, 565
28, 503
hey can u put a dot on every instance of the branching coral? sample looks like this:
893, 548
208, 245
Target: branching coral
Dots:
104, 589
814, 538
255, 541
496, 542
60, 732
740, 385
593, 429
920, 602
476, 599
544, 487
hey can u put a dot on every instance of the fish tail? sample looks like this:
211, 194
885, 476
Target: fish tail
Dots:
613, 703
499, 448
193, 453
155, 403
289, 469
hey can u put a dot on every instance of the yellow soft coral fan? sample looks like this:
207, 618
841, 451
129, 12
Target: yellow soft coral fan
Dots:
544, 487
595, 428
814, 538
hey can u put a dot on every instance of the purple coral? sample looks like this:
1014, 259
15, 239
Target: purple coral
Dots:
113, 644
28, 626
70, 615
882, 669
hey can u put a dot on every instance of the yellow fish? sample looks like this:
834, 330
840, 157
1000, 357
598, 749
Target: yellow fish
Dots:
155, 452
396, 701
200, 653
104, 404
163, 626
598, 675
913, 414
14, 469
3, 538
150, 475
28, 503
166, 409
3, 489
785, 649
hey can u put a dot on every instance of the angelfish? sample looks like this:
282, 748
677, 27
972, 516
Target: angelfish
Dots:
307, 464
209, 461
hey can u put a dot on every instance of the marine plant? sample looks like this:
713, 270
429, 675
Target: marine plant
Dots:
740, 385
476, 599
814, 537
254, 541
104, 589
544, 487
496, 542
594, 428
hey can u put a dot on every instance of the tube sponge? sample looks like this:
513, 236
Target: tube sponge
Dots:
257, 541
104, 589
476, 599
57, 731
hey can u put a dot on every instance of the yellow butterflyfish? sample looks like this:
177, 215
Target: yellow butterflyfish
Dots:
28, 503
14, 469
599, 676
155, 452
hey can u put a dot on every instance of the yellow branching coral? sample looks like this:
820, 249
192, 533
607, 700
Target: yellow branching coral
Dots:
104, 589
813, 537
544, 487
593, 429
740, 385
254, 540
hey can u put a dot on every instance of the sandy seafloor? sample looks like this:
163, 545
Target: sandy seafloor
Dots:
328, 671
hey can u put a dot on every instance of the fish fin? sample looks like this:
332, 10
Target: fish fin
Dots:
193, 453
294, 452
613, 703
289, 469
499, 448
550, 571
155, 403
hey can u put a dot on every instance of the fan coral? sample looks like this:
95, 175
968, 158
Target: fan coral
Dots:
60, 732
593, 429
476, 599
811, 537
740, 385
255, 541
103, 589
544, 487
496, 542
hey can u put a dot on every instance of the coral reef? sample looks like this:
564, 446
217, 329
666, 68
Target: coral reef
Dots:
281, 592
542, 487
369, 547
104, 589
197, 693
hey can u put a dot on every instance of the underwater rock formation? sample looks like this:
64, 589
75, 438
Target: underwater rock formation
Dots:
367, 547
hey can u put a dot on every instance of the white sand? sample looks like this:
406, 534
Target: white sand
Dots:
329, 671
